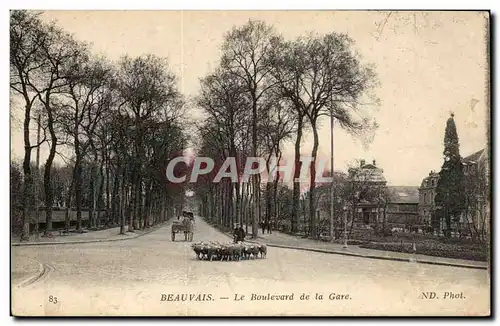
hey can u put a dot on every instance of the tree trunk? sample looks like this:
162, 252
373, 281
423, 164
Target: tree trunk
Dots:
217, 204
230, 220
91, 200
67, 218
268, 192
100, 195
131, 208
243, 205
296, 175
138, 216
256, 217
93, 195
164, 204
238, 203
28, 177
210, 205
312, 186
123, 202
115, 198
275, 187
223, 204
78, 189
77, 172
49, 191
109, 216
149, 204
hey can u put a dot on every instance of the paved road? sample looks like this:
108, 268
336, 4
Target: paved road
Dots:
129, 278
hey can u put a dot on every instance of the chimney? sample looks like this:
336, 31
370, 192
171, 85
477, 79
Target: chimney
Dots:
374, 163
362, 163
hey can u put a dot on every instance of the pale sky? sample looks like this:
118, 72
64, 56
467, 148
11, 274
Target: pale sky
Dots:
429, 64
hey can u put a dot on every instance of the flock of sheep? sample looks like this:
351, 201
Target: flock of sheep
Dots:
229, 251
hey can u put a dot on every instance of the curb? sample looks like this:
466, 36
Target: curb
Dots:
377, 257
32, 279
26, 244
333, 252
406, 260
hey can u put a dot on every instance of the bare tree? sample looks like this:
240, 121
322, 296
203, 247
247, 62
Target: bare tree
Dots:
42, 79
323, 75
245, 52
148, 89
121, 154
27, 36
87, 96
58, 51
223, 96
278, 125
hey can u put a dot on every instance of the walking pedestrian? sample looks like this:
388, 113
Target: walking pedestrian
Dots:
241, 234
236, 233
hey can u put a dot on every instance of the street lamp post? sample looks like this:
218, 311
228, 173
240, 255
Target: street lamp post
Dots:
345, 228
332, 185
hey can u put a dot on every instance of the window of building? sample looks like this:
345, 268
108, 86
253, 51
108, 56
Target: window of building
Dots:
425, 198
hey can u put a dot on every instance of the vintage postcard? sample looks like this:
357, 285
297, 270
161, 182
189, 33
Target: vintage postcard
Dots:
250, 163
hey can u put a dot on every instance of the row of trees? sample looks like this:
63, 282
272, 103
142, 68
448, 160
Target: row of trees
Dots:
265, 92
121, 122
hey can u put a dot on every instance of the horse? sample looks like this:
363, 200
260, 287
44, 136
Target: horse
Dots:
188, 229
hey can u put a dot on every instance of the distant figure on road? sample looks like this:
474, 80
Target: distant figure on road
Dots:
236, 233
265, 227
241, 234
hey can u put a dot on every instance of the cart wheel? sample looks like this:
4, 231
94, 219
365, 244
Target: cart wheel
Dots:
173, 236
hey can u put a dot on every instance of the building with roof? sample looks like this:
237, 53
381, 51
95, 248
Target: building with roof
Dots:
402, 207
427, 192
369, 174
367, 182
477, 215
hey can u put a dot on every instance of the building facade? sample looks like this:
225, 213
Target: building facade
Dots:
476, 217
426, 195
402, 207
367, 184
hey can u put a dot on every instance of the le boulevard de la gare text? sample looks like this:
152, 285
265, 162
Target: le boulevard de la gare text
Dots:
176, 297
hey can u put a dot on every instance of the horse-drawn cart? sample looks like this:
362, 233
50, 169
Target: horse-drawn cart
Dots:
186, 226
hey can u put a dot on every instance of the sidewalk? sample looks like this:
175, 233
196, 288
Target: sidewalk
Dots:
283, 240
112, 234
